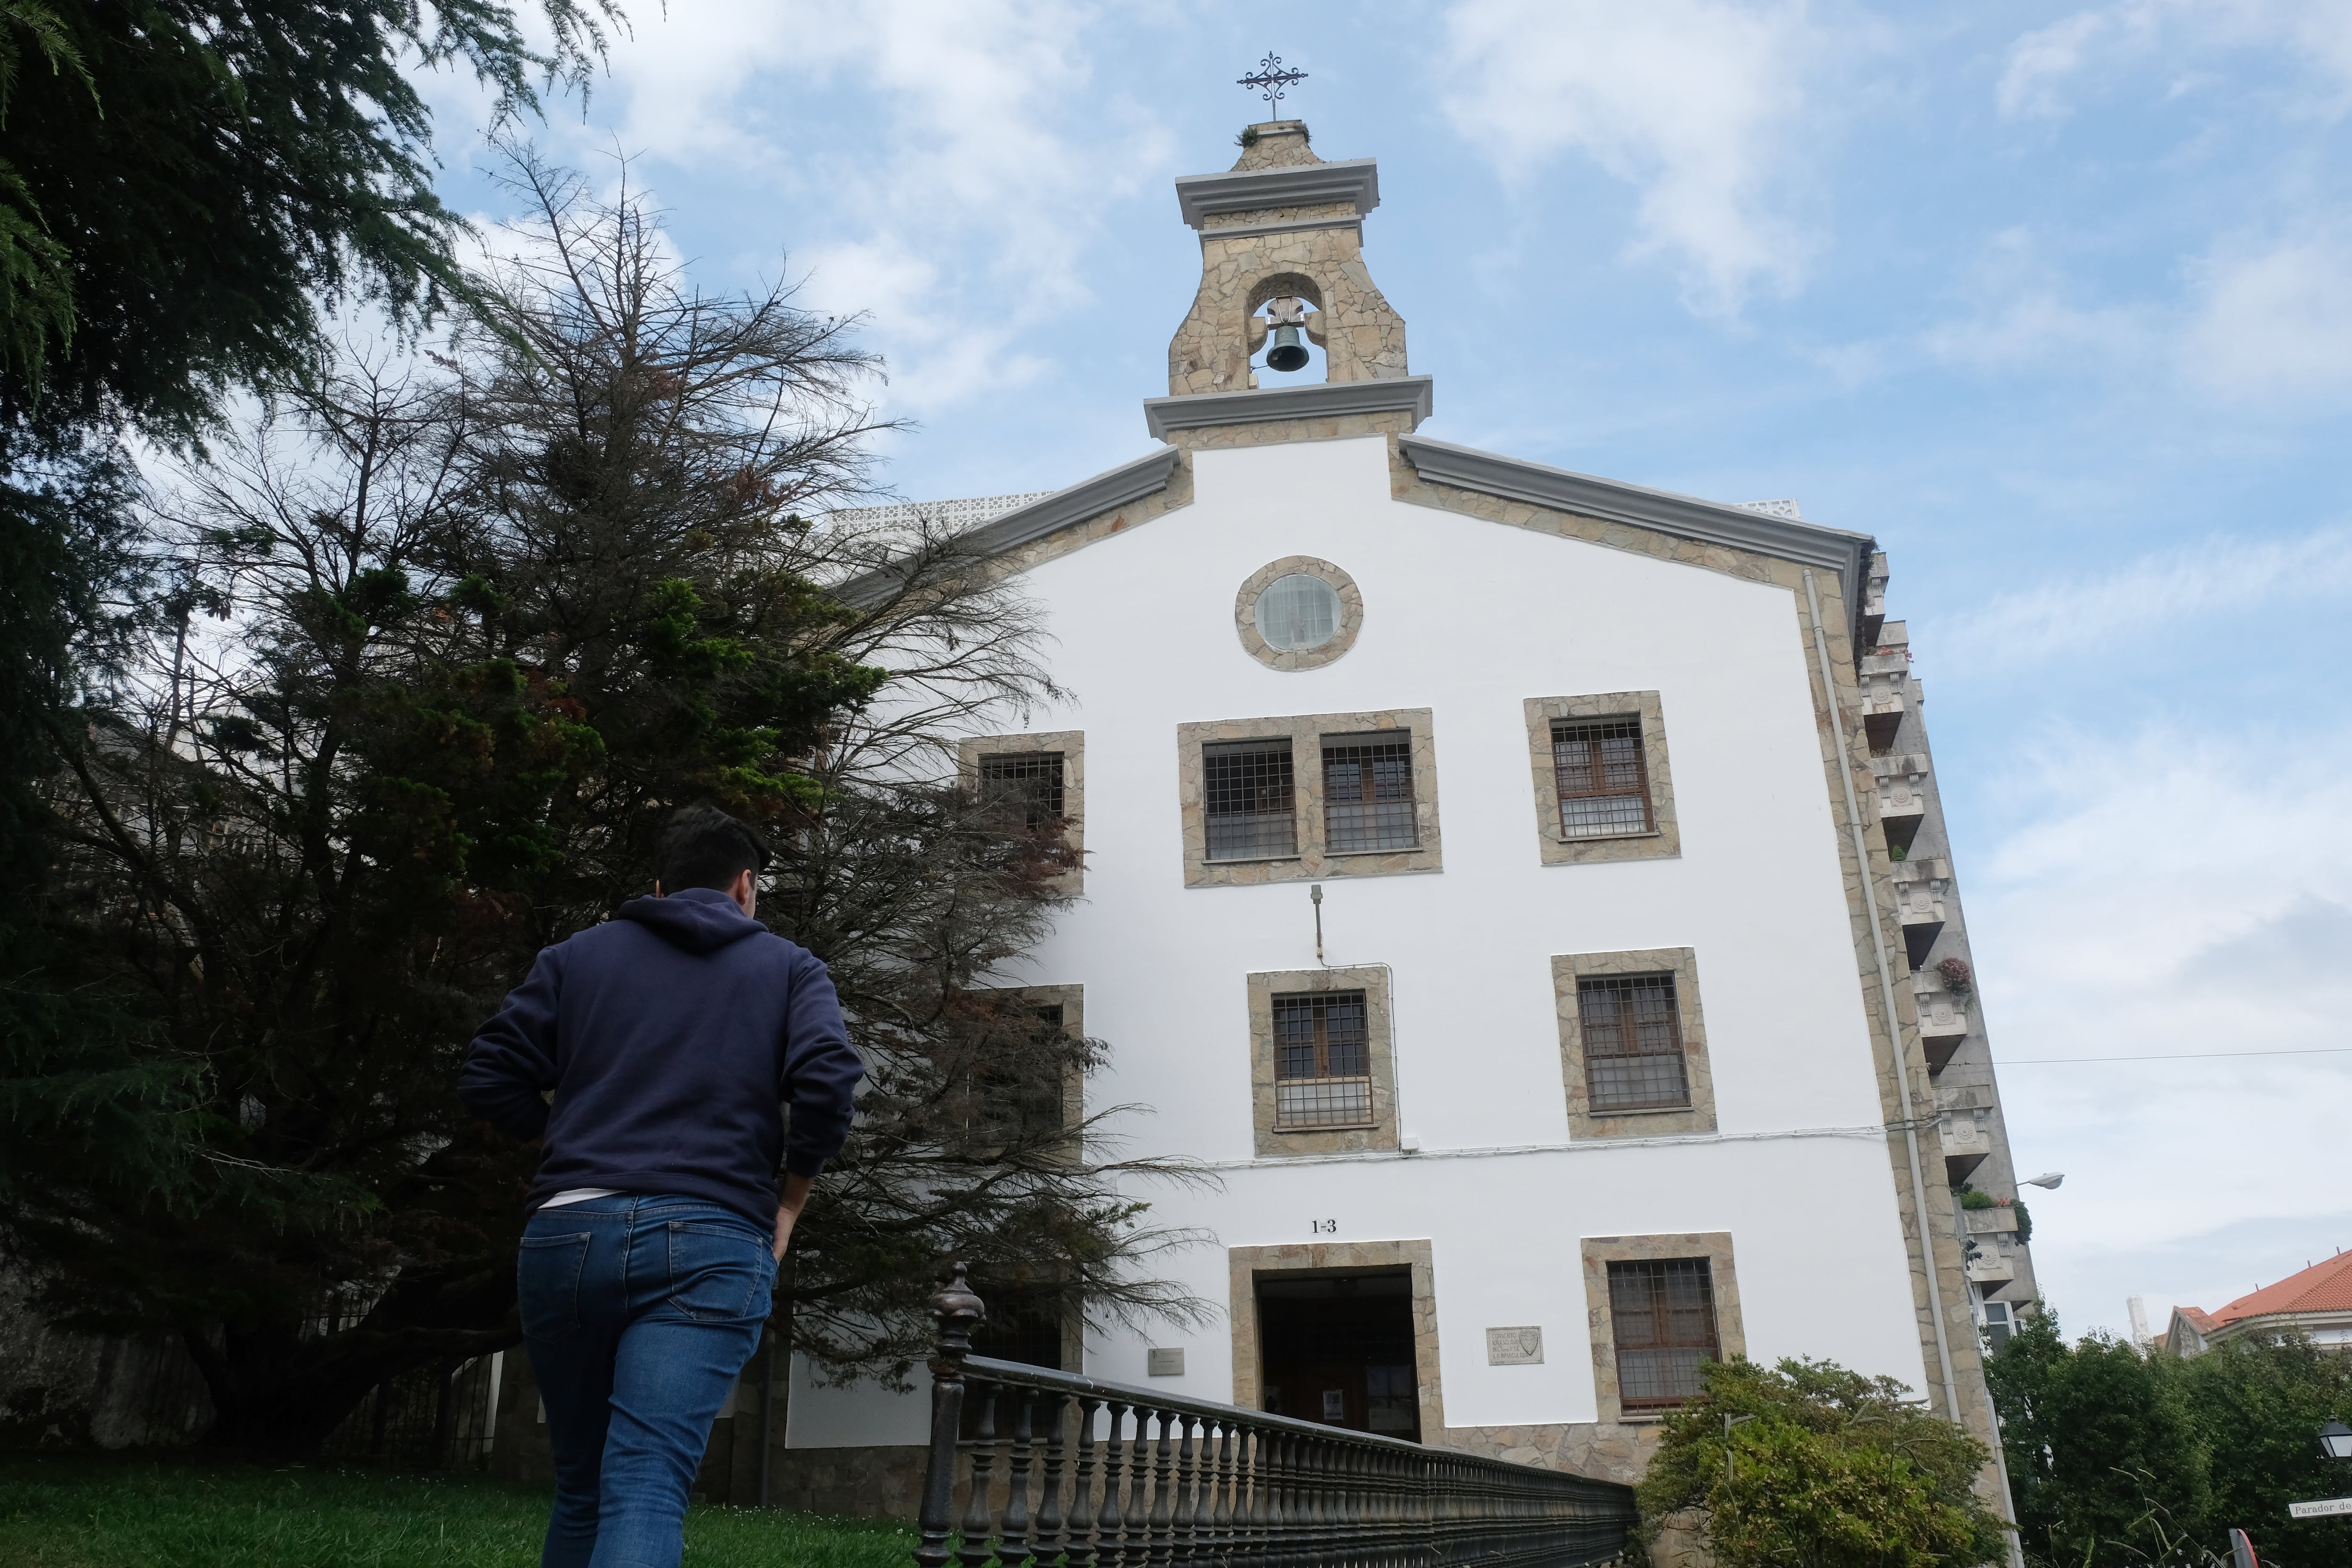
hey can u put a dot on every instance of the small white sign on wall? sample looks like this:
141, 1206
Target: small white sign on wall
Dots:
1515, 1347
1164, 1362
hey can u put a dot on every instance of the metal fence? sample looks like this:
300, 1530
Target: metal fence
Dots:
436, 1417
1062, 1469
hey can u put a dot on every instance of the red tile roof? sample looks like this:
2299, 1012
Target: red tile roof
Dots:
2322, 1287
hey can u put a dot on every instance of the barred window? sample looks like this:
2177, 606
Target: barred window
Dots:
1604, 779
1322, 1060
1367, 795
1662, 1315
1013, 1098
1633, 1038
1251, 812
1029, 782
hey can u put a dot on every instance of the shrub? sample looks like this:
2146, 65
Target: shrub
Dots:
1832, 1470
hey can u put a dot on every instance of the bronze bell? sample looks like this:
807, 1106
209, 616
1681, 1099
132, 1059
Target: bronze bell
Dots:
1288, 352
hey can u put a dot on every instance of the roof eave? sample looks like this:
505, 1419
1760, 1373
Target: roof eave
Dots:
1615, 500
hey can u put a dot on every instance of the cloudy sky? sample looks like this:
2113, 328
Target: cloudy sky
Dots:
2057, 303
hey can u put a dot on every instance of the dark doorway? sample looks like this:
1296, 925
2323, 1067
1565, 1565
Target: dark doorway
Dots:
1338, 1349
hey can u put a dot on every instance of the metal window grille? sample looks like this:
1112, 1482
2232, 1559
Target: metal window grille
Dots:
1028, 782
1008, 1102
1367, 795
1603, 777
1251, 800
1633, 1042
1322, 1060
1662, 1315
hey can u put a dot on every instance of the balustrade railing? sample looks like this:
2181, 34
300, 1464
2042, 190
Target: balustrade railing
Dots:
1033, 1467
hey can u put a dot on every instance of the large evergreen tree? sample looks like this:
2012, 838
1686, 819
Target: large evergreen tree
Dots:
442, 648
186, 190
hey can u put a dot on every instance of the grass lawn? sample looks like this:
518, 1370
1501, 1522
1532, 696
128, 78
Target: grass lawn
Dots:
77, 1511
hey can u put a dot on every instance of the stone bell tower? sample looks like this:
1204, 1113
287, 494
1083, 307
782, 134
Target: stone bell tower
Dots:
1283, 227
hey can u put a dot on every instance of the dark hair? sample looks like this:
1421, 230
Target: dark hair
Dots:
702, 847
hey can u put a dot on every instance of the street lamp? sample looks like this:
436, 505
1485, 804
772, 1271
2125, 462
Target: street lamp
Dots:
2335, 1440
2049, 1179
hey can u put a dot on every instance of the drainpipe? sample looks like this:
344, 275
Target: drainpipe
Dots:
1886, 1004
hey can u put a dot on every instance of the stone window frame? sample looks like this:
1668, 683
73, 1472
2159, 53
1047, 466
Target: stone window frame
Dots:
1072, 744
1328, 1259
1379, 1020
1307, 733
1681, 963
1600, 1251
1662, 842
1351, 614
1071, 1001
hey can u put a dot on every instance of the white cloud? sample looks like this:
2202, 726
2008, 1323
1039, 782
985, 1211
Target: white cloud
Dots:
2022, 318
939, 163
2176, 891
2158, 594
2043, 63
2048, 66
1696, 103
2274, 325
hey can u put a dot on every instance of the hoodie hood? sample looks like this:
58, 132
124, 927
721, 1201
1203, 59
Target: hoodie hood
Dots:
699, 919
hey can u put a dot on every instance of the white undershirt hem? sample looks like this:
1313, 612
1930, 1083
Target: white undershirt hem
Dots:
578, 1196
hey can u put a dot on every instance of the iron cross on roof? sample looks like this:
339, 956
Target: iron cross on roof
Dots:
1269, 79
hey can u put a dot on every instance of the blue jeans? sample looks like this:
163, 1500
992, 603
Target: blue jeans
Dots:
640, 1312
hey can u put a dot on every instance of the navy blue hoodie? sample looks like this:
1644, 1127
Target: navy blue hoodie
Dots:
672, 1036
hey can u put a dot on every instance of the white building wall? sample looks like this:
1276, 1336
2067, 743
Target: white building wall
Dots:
1469, 618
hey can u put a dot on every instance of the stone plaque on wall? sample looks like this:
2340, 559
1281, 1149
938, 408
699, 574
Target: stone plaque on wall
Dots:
1515, 1347
1165, 1363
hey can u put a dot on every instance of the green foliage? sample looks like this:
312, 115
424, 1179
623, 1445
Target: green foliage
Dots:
2024, 1219
1972, 1199
186, 187
2258, 1405
2106, 1462
1833, 1470
83, 1512
493, 621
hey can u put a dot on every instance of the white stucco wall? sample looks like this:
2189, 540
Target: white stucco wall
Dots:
1468, 619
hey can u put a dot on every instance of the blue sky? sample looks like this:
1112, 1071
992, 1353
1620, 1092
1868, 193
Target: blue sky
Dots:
2056, 303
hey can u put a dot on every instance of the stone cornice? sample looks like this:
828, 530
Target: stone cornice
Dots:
1088, 497
1294, 226
1356, 180
1614, 500
1409, 394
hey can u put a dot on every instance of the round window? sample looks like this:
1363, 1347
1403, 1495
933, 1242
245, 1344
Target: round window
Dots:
1298, 613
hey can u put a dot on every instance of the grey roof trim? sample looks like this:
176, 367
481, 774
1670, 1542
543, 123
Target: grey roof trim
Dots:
1148, 474
1356, 180
1315, 400
1243, 230
1711, 522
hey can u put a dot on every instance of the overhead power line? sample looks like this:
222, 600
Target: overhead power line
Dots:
2176, 1057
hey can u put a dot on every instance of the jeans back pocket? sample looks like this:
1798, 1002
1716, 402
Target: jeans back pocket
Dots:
719, 1272
547, 1284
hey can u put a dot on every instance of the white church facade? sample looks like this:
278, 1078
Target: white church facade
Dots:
1484, 875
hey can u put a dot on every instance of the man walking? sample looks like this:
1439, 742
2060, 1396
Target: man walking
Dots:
653, 1056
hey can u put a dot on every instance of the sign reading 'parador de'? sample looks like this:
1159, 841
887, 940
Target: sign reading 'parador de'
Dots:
2320, 1509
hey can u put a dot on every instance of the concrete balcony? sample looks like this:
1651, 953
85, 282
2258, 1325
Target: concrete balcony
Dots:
1991, 1268
1884, 675
1998, 1220
1873, 603
1943, 1018
1968, 1143
1920, 890
1902, 798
